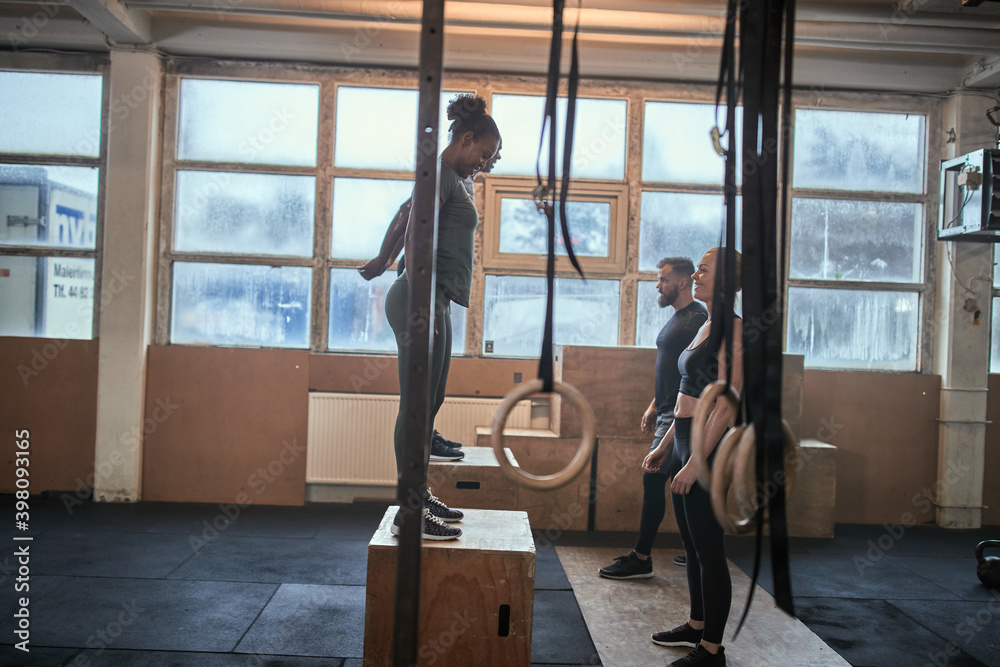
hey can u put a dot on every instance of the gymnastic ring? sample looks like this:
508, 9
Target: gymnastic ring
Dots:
583, 453
706, 403
720, 480
745, 450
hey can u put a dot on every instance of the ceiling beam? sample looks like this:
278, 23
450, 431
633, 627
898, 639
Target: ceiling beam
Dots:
121, 24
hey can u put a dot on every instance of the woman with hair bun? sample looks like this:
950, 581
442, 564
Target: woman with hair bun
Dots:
473, 141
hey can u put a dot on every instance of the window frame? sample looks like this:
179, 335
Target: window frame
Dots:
926, 287
65, 64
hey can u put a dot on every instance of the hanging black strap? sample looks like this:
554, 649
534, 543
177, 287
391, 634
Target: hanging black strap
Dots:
546, 193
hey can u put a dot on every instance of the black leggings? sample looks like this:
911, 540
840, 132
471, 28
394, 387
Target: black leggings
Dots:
654, 497
709, 584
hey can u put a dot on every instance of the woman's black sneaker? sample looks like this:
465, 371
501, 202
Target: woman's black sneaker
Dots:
445, 441
442, 452
682, 635
433, 527
628, 566
700, 657
440, 510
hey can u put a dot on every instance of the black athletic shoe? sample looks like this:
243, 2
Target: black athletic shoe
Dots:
700, 657
445, 441
628, 566
682, 635
681, 560
433, 529
441, 452
440, 510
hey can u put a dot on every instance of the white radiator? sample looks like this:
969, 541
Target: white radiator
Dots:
350, 435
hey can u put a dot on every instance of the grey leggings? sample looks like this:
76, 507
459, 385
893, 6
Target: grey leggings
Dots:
395, 312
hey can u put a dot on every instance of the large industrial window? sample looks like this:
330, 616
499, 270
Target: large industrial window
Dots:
682, 207
51, 161
514, 238
857, 239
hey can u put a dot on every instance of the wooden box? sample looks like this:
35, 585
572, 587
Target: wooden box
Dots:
476, 482
619, 485
812, 502
476, 593
543, 453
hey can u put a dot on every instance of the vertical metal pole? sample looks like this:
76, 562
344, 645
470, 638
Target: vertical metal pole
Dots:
415, 396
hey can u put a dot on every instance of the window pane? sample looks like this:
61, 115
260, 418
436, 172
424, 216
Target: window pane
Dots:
995, 347
856, 240
249, 122
677, 145
49, 297
50, 114
260, 214
357, 314
586, 313
836, 328
523, 230
233, 304
649, 316
680, 225
48, 206
598, 138
362, 211
996, 267
377, 128
848, 150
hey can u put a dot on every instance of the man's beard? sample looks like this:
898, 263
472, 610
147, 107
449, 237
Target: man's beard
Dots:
667, 299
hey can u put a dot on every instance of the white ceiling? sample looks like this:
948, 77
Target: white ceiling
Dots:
911, 45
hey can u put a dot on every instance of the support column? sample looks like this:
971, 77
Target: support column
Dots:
127, 272
963, 347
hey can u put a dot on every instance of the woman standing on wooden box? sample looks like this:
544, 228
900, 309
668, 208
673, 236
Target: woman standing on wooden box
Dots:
709, 584
474, 141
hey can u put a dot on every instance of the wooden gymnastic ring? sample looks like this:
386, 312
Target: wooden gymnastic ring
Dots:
583, 453
743, 468
724, 459
706, 403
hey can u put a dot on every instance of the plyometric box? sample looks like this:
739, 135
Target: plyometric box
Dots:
541, 452
476, 593
475, 482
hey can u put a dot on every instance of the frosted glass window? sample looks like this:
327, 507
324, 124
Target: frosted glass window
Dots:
996, 267
523, 230
599, 136
675, 224
257, 214
51, 114
853, 150
995, 347
586, 313
853, 329
233, 304
677, 145
856, 240
48, 297
248, 122
649, 316
362, 211
357, 314
48, 206
377, 128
